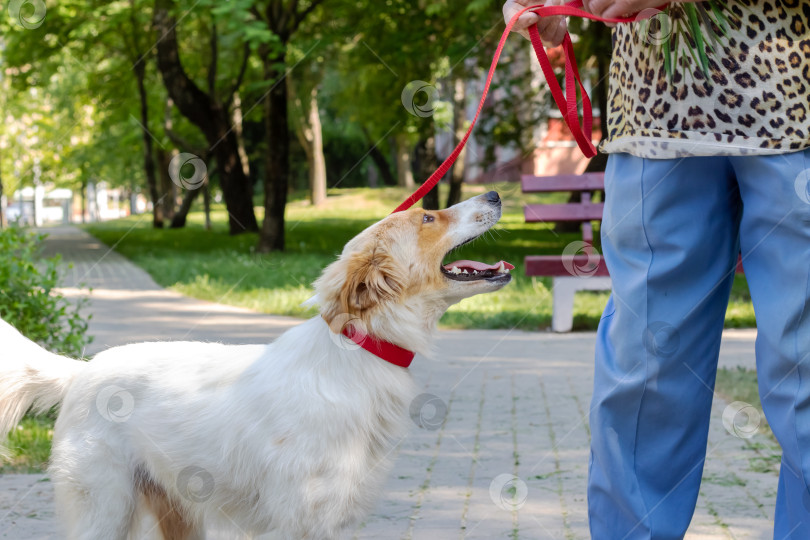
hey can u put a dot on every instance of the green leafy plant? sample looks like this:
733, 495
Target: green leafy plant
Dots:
28, 300
688, 28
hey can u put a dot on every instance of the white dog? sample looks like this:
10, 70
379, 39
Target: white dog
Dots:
291, 437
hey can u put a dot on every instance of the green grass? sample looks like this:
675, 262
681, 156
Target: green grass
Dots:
30, 445
211, 265
740, 384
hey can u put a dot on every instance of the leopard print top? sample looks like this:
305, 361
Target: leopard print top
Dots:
754, 101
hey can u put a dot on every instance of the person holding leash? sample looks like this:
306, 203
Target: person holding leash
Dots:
706, 162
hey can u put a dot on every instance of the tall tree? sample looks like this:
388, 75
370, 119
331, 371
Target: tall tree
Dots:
211, 115
282, 18
137, 38
305, 118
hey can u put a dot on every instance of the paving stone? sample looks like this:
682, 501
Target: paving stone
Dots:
517, 405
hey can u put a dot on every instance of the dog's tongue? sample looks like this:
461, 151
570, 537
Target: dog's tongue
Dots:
475, 265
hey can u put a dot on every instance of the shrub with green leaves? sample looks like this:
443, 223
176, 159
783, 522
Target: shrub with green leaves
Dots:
27, 297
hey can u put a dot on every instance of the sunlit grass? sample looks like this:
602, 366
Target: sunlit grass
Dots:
29, 444
212, 265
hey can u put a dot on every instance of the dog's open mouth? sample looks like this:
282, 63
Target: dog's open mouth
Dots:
474, 270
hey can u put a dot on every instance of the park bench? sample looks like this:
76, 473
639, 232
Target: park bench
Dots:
580, 267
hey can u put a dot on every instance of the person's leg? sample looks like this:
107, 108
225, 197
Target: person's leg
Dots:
775, 241
669, 237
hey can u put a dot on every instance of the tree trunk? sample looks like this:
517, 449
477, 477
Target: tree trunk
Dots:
167, 188
207, 114
310, 135
276, 177
207, 203
237, 126
179, 218
459, 116
380, 161
425, 163
2, 210
404, 165
84, 200
148, 154
317, 168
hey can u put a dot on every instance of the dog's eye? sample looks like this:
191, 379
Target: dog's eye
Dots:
427, 218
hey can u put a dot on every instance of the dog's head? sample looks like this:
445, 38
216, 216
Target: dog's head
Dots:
393, 272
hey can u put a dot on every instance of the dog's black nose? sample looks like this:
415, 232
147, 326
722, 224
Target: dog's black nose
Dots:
493, 198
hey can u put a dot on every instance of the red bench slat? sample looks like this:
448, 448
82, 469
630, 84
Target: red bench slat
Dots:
565, 265
593, 181
563, 212
584, 212
575, 265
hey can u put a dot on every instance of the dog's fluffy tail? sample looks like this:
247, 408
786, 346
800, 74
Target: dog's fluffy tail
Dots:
30, 377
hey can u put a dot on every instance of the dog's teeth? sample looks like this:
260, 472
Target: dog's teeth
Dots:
475, 272
455, 270
507, 270
464, 271
501, 269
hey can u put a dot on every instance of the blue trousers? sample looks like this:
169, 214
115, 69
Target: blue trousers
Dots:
671, 233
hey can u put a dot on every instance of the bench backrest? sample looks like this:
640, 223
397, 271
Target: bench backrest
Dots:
584, 211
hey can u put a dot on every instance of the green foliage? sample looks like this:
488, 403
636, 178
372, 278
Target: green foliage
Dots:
27, 296
384, 47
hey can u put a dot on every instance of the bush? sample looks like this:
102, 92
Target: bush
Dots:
27, 297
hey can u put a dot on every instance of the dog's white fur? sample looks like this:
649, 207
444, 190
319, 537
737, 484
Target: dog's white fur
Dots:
290, 437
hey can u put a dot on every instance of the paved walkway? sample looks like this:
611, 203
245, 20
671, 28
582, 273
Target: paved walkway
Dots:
515, 410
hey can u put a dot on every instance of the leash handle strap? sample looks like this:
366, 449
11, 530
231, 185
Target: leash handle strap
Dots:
567, 103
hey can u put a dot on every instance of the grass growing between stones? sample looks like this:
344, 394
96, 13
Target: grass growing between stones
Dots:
740, 384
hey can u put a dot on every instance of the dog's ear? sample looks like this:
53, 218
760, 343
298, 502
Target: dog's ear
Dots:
371, 278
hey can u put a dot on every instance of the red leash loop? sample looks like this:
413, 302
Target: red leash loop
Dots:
567, 103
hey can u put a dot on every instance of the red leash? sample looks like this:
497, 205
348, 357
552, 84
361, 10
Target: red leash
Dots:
567, 103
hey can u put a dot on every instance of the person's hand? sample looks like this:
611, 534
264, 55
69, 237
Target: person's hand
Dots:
611, 9
552, 29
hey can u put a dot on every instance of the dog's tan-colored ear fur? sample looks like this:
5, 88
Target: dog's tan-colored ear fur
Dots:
371, 279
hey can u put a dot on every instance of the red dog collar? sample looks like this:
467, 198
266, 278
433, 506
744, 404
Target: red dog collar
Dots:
383, 349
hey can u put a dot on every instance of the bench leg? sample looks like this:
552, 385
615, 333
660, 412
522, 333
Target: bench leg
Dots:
564, 287
562, 314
